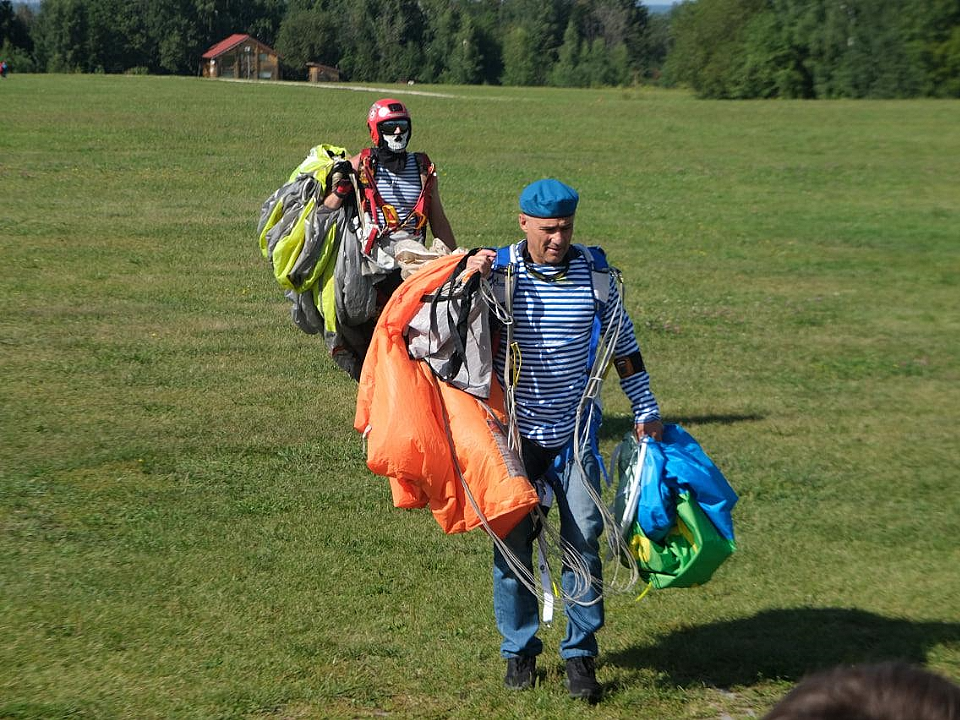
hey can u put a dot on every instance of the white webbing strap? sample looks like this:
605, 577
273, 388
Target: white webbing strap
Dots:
633, 496
546, 583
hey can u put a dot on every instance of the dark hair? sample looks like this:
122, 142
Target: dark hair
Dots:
886, 691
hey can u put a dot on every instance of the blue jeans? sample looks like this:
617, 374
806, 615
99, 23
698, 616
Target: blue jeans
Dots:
516, 608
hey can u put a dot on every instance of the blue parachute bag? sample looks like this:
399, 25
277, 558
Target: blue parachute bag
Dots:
673, 507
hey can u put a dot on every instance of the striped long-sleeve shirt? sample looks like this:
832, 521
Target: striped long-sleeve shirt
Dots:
402, 190
553, 323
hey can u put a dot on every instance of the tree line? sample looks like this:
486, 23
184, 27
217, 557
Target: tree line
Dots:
816, 48
720, 48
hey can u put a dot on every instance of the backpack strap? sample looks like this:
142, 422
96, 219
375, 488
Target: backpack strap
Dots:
599, 273
508, 256
428, 178
370, 199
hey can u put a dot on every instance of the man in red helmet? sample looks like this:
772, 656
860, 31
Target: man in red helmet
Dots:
397, 195
398, 189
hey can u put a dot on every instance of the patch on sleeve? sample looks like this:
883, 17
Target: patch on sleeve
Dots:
629, 364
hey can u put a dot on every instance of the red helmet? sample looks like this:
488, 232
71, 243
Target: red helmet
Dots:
385, 109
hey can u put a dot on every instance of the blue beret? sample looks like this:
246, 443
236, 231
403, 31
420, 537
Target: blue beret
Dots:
549, 199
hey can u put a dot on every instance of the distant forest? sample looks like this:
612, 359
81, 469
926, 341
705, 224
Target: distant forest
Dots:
719, 48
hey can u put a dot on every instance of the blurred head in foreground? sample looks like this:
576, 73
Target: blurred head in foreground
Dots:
886, 691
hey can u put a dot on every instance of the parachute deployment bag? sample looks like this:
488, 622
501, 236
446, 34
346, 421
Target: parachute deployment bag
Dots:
692, 548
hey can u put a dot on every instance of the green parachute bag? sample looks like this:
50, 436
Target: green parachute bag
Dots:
660, 483
688, 556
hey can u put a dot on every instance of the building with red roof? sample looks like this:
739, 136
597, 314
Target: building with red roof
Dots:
241, 57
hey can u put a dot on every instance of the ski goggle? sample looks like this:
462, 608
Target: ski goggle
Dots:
389, 127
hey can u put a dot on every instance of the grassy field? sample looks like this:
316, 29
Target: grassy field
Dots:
187, 527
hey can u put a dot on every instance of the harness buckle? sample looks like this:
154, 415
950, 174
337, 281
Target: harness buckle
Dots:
390, 216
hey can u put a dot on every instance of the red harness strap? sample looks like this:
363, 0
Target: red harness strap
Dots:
374, 205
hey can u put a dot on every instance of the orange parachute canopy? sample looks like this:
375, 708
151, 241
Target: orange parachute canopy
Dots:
420, 430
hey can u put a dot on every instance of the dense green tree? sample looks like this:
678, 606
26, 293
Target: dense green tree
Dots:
813, 48
566, 71
595, 64
770, 68
307, 36
936, 25
61, 35
709, 45
532, 36
465, 59
520, 61
655, 46
13, 27
442, 24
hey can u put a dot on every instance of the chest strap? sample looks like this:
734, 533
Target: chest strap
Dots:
373, 206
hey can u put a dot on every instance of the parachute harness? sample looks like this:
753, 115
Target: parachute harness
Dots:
370, 202
588, 405
580, 581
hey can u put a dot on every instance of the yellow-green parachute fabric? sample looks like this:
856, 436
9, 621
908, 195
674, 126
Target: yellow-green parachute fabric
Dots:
286, 216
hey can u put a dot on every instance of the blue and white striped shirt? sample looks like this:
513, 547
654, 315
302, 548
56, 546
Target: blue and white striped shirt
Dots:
553, 323
402, 190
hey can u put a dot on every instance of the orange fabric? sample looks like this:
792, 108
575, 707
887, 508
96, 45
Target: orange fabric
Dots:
403, 407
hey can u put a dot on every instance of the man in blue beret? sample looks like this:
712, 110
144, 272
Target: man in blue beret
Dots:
558, 292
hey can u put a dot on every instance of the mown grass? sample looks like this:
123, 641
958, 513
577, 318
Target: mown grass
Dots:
187, 528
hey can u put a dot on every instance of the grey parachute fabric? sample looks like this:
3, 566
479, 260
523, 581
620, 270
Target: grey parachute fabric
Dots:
451, 333
315, 256
356, 296
280, 211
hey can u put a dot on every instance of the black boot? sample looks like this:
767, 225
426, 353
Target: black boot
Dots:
520, 672
582, 679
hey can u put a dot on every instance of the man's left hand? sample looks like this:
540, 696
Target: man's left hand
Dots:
650, 428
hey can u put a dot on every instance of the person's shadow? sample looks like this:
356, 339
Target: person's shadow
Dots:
784, 644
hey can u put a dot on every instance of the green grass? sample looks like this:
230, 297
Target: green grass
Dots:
187, 527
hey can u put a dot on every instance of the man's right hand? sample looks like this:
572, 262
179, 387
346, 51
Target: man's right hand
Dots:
340, 179
482, 261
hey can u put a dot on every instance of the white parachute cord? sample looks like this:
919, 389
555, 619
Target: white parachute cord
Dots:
522, 574
546, 582
581, 580
589, 403
488, 296
570, 558
504, 313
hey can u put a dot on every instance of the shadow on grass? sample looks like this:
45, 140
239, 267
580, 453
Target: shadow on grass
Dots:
784, 644
614, 428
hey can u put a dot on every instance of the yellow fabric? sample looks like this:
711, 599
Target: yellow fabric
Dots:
329, 308
288, 249
275, 216
319, 161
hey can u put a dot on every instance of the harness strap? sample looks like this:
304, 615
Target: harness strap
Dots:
373, 204
596, 259
546, 581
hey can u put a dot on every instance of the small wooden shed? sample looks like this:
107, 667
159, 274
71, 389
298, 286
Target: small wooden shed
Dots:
241, 57
323, 73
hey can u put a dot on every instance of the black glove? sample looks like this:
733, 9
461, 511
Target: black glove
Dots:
339, 181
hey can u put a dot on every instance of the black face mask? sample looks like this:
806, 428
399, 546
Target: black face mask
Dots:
394, 162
